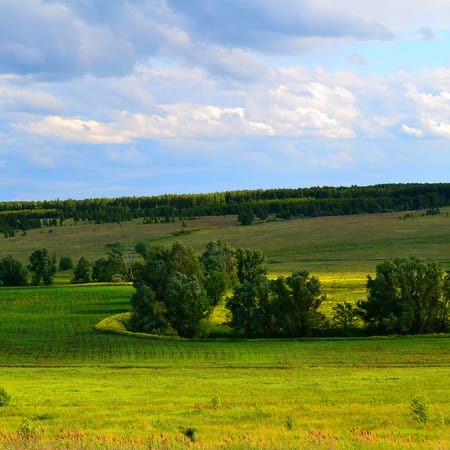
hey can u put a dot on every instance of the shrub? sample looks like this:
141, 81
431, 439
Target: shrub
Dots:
5, 398
27, 429
419, 410
190, 433
65, 263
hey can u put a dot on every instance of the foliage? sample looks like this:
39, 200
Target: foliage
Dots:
407, 296
345, 316
118, 261
250, 307
190, 433
12, 273
250, 264
170, 294
5, 398
284, 307
43, 266
65, 263
419, 410
82, 272
140, 248
297, 299
219, 269
149, 314
282, 203
187, 304
103, 270
246, 216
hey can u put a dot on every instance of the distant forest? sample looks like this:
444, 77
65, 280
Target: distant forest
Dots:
261, 203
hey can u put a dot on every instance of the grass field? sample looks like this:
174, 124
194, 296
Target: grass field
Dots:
354, 244
75, 387
72, 386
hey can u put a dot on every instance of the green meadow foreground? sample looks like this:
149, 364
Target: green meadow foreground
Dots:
75, 387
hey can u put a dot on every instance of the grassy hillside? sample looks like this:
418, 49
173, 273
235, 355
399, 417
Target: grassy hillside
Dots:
326, 244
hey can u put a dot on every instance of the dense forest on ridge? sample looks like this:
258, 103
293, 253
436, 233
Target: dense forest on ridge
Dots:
262, 203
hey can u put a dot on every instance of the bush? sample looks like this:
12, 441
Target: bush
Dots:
419, 410
65, 263
190, 433
5, 398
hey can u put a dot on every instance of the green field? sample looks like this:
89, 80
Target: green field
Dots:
323, 244
75, 387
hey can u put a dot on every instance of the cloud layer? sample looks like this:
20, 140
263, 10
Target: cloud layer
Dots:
205, 96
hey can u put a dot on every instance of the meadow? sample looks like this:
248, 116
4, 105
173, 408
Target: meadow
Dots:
73, 386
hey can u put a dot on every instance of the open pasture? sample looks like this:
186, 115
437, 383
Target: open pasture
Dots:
74, 387
354, 244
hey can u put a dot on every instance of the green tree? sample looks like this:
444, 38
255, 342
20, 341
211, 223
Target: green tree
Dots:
298, 298
43, 266
149, 314
12, 273
407, 296
246, 216
140, 248
345, 316
187, 304
219, 269
170, 291
103, 270
119, 261
250, 307
249, 264
65, 263
216, 284
82, 272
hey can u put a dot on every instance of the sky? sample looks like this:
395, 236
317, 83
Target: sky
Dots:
102, 98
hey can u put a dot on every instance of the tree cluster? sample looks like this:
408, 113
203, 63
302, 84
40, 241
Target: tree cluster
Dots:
176, 290
42, 267
285, 307
407, 296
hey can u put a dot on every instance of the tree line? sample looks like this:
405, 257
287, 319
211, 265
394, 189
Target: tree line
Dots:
43, 267
261, 203
177, 289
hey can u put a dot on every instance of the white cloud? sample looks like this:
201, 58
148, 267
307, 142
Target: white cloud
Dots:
75, 130
433, 111
412, 131
315, 110
318, 111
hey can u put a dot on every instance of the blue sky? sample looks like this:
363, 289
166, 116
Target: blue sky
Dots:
145, 97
